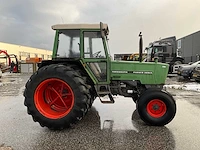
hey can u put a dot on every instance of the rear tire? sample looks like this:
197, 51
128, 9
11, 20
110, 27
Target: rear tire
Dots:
56, 96
156, 107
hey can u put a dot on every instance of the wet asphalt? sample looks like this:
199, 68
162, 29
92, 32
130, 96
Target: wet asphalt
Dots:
105, 127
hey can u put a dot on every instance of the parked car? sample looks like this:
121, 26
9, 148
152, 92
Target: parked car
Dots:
187, 70
196, 73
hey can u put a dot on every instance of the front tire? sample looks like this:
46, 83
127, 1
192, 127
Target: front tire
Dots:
156, 107
56, 96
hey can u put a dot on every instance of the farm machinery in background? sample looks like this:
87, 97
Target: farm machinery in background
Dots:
7, 60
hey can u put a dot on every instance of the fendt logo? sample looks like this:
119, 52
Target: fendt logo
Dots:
134, 72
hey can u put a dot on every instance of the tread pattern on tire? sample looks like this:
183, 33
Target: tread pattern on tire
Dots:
89, 83
156, 94
76, 82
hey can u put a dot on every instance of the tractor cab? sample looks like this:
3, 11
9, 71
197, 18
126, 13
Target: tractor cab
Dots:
86, 43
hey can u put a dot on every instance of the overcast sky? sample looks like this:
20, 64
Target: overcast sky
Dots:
28, 22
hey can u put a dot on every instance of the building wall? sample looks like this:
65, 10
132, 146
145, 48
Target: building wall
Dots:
189, 47
24, 52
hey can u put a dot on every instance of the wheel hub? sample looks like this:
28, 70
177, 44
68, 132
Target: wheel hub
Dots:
54, 98
156, 108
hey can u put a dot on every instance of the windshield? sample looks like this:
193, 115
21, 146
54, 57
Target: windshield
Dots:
68, 44
149, 53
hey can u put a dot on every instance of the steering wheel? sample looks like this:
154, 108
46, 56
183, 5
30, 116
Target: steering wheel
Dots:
96, 54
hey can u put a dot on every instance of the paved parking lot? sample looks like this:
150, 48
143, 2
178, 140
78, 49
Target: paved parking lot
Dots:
106, 126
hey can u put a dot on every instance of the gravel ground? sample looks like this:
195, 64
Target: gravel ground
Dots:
11, 84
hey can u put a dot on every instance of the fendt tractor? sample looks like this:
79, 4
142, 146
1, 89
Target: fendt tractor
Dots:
62, 90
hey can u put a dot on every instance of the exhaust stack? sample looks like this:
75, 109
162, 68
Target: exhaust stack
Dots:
140, 47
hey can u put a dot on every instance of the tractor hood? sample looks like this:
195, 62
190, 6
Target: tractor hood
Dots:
146, 73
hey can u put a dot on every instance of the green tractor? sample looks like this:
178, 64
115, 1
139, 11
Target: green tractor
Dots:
63, 89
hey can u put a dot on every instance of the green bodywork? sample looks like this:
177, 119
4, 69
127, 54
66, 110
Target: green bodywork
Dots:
146, 73
151, 73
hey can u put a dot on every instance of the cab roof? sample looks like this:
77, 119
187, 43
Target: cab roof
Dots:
79, 26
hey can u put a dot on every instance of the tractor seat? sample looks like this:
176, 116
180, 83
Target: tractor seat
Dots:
96, 69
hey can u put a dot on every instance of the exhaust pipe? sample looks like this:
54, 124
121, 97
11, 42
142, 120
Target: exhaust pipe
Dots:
140, 47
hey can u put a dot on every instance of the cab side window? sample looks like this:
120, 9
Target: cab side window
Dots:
93, 45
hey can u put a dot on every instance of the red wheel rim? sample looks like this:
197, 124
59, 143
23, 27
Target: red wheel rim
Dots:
54, 98
156, 108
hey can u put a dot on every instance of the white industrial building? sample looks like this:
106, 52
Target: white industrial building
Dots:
24, 52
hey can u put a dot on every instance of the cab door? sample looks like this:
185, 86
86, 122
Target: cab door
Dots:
95, 56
